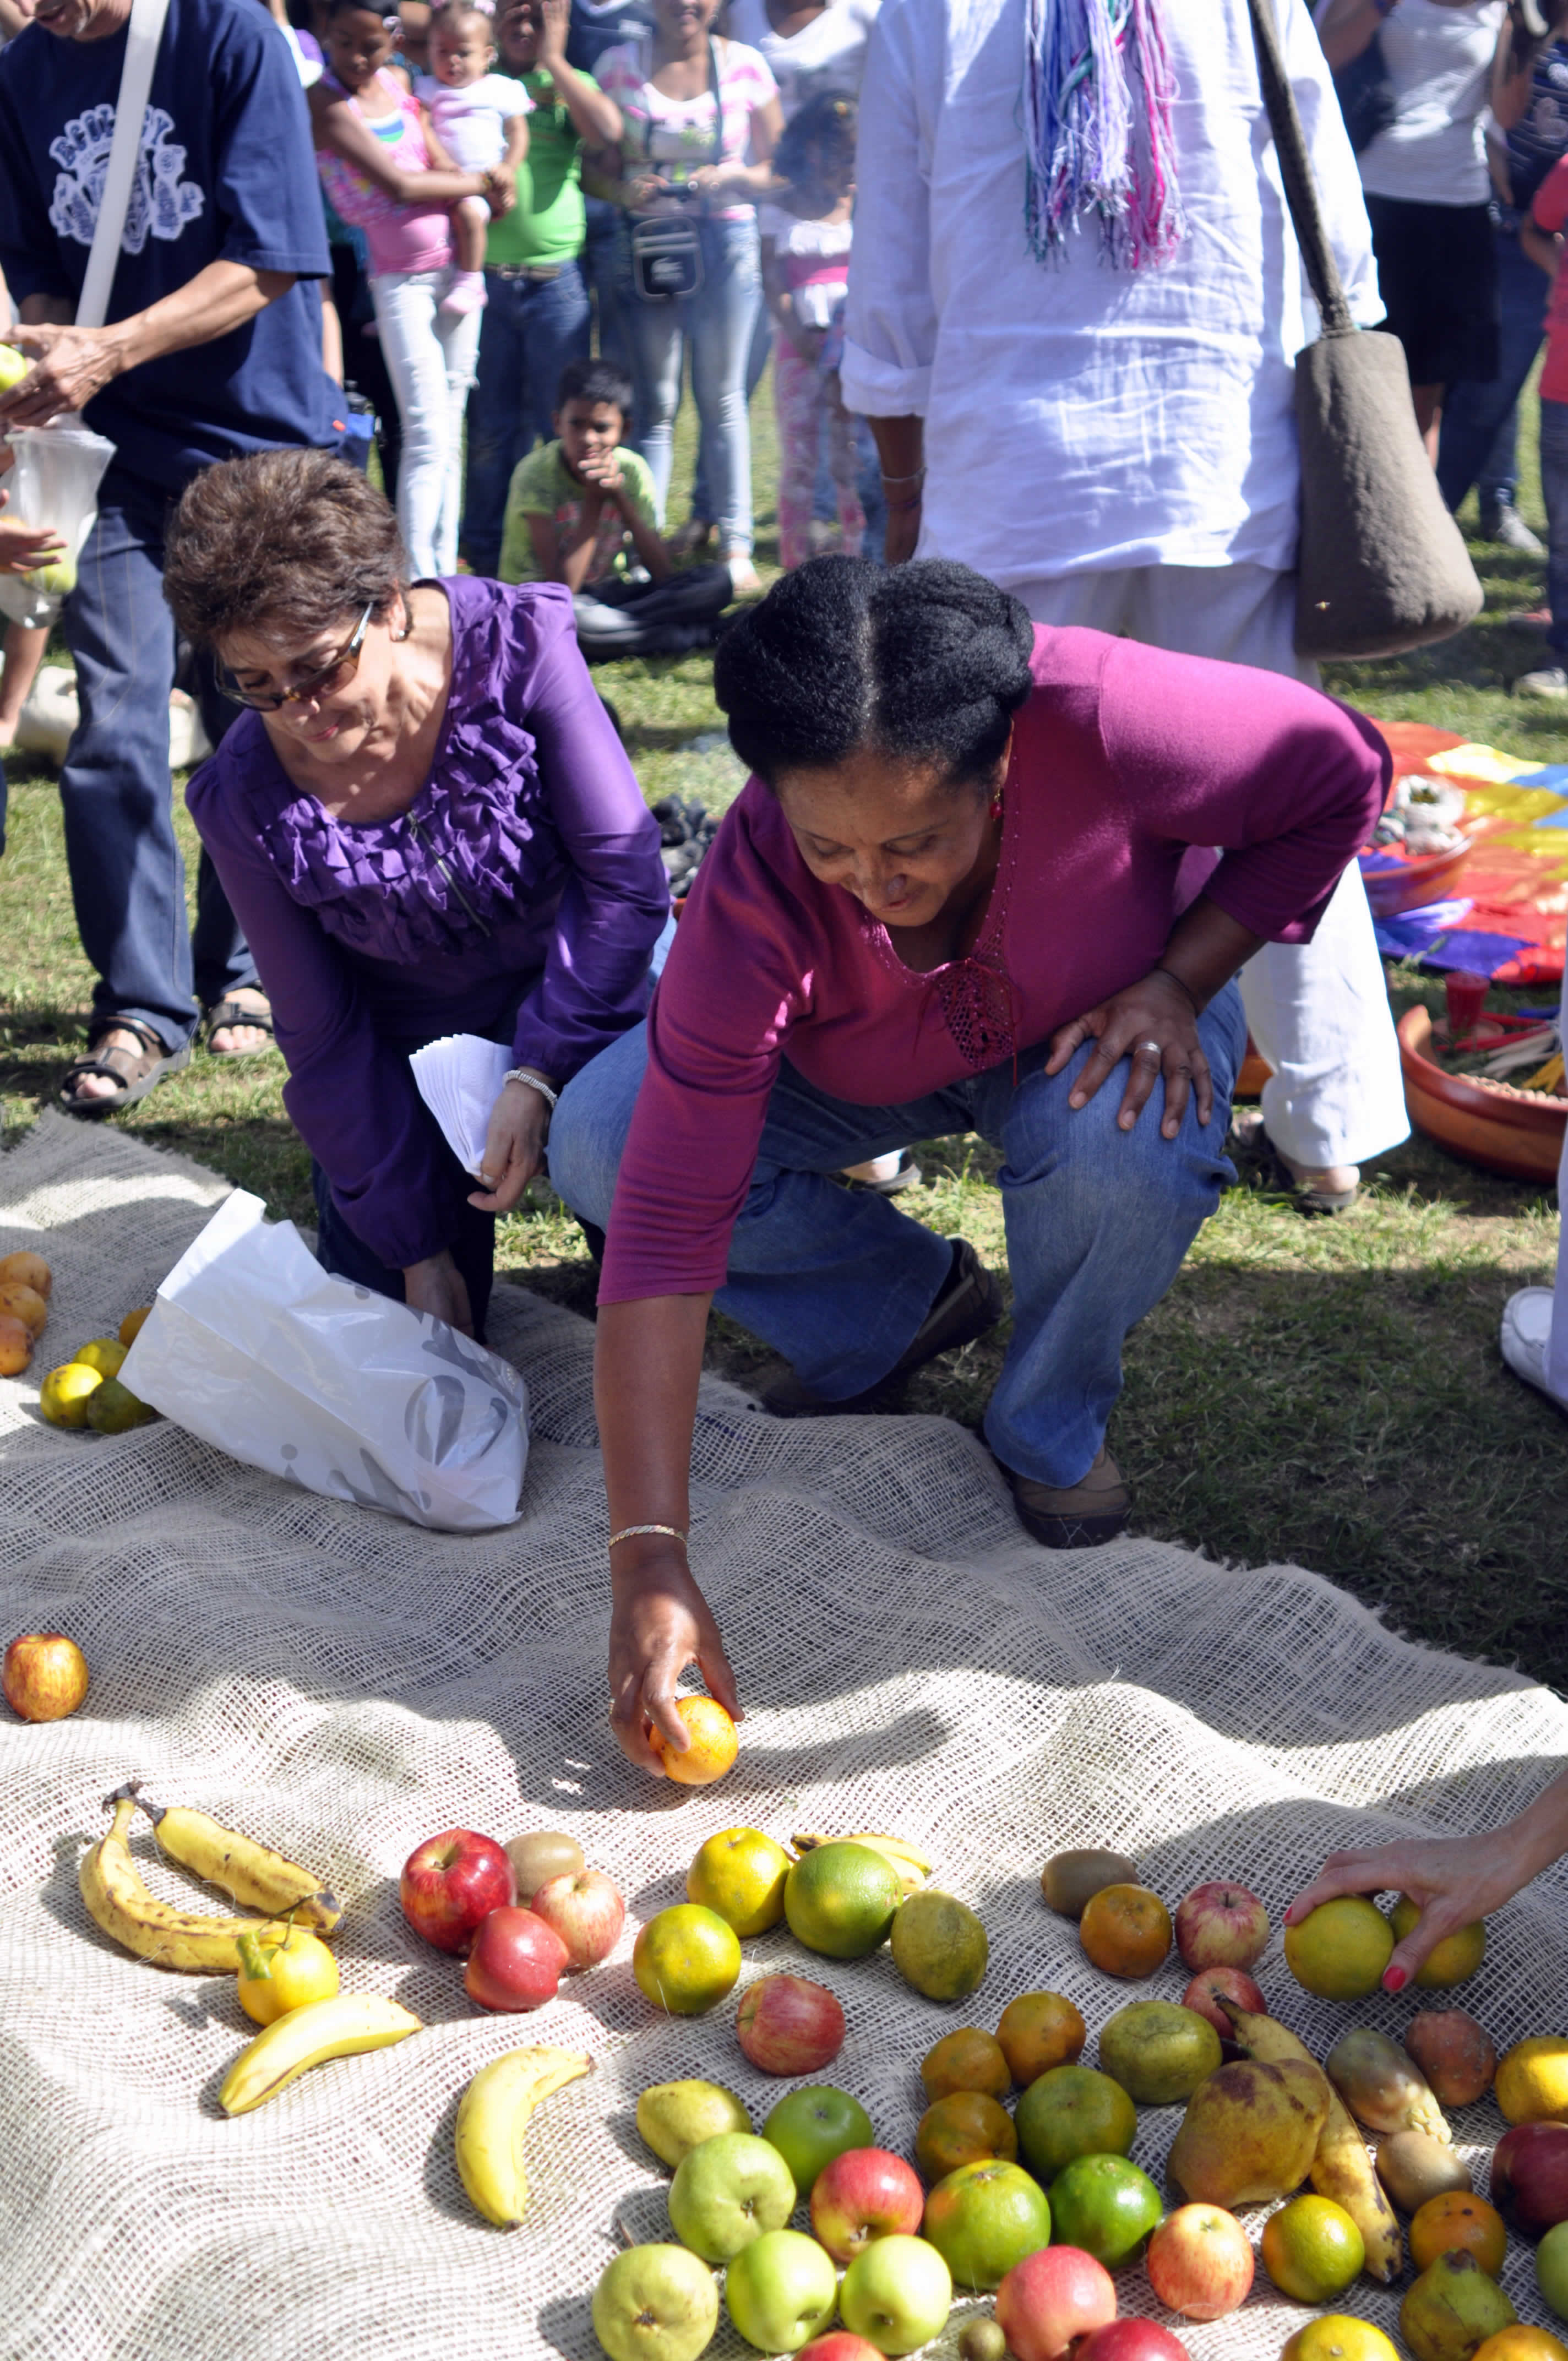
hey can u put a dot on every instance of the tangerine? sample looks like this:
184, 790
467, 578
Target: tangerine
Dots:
965, 2061
1039, 2030
1340, 1949
25, 1269
1451, 1961
1125, 1930
1339, 2336
1458, 2220
686, 1959
714, 1744
1312, 2250
966, 2128
15, 1345
292, 1973
1522, 2343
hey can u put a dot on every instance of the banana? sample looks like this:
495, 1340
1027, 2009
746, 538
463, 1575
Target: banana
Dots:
913, 1868
308, 2036
492, 2118
249, 1873
1342, 2168
121, 1904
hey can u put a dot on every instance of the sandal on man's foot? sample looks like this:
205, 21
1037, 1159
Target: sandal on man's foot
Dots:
133, 1073
1312, 1192
225, 1015
970, 1301
1073, 1516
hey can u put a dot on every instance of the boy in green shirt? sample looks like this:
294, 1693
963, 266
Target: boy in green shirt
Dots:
572, 506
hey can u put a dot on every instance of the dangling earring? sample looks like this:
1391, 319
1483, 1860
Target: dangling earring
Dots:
996, 804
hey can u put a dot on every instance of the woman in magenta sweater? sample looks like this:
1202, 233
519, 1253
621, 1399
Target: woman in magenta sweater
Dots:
972, 887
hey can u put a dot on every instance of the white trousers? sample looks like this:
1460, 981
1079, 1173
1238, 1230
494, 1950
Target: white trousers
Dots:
432, 357
1318, 1012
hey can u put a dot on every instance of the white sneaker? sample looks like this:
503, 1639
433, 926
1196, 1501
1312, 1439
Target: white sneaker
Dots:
1550, 681
744, 579
1526, 1334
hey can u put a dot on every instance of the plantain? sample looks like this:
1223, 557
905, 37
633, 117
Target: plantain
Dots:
911, 1866
1341, 2166
492, 2118
251, 1875
341, 2027
119, 1902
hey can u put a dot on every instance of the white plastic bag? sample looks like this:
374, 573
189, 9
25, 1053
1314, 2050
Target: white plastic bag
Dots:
54, 481
254, 1348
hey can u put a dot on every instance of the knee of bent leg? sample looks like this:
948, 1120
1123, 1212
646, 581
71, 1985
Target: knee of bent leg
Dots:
589, 1129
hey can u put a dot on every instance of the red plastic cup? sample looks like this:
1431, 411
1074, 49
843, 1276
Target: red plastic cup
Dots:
1466, 996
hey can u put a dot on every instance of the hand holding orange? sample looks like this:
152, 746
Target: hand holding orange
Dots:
714, 1744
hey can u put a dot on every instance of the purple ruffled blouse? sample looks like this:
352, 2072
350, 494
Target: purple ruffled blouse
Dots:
519, 896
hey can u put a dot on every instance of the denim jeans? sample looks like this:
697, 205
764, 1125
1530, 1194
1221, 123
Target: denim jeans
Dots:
127, 880
1476, 444
839, 1281
430, 357
757, 356
717, 323
601, 276
1554, 492
532, 327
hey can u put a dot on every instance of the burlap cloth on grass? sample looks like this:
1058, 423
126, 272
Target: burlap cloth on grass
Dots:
343, 1685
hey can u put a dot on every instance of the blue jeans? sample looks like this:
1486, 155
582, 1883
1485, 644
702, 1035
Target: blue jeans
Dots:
127, 880
757, 357
1554, 492
1476, 443
602, 275
717, 323
531, 328
839, 1281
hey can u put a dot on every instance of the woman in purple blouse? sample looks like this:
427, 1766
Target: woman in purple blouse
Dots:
426, 825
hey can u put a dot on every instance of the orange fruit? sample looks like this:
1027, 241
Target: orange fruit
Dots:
1125, 1930
1039, 2030
298, 1969
134, 1323
1522, 2343
15, 1345
1456, 2219
741, 1875
714, 1744
965, 2061
26, 1270
25, 1303
966, 2128
1312, 2250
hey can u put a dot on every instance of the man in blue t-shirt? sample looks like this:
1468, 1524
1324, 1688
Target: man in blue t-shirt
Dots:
213, 347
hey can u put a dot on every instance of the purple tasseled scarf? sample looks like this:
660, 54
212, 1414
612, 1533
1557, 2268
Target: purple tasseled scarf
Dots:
1097, 91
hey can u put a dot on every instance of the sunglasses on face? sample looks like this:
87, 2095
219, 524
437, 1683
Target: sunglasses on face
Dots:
335, 672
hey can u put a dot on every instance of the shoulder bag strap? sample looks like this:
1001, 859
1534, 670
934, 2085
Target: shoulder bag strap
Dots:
716, 81
125, 154
1296, 171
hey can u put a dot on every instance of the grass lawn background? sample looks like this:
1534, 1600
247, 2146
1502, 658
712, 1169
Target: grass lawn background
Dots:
1328, 1392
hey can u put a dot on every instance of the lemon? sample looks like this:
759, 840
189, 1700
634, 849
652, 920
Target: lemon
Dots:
66, 1393
1312, 2250
299, 1971
840, 1899
741, 1873
1339, 2336
939, 1945
113, 1409
104, 1354
1339, 1951
686, 1959
1532, 2080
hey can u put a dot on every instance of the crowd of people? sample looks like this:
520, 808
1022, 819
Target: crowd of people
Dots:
1044, 814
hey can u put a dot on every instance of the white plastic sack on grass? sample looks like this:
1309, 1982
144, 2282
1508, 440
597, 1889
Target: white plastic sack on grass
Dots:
254, 1348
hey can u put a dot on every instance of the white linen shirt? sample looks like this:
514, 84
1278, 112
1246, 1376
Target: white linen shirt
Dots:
826, 55
1079, 418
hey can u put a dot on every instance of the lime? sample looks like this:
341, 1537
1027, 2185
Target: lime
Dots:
840, 1900
1312, 2250
1106, 2207
685, 1960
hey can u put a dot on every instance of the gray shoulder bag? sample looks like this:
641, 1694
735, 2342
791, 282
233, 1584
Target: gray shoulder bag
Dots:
1382, 567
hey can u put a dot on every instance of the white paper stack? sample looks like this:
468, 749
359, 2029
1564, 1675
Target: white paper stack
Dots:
460, 1079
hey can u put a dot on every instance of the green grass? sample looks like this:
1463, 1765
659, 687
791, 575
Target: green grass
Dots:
1328, 1392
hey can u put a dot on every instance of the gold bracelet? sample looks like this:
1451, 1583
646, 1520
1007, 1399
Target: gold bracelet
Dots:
627, 1531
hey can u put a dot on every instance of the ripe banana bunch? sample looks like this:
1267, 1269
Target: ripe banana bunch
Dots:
121, 1904
249, 1873
307, 2036
912, 1867
492, 2118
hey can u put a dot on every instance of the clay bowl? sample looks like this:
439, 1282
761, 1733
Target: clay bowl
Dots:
1516, 1132
1411, 884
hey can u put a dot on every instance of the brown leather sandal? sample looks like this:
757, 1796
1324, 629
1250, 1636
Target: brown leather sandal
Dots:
133, 1073
1073, 1516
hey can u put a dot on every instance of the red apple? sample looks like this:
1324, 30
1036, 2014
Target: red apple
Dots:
449, 1882
839, 2346
45, 1676
587, 1912
1052, 2297
1131, 2340
864, 2194
1221, 1926
1200, 2260
1529, 2177
515, 1961
787, 2025
1200, 1995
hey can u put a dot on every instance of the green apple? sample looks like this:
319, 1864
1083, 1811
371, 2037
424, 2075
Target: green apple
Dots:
984, 2218
675, 2118
812, 2126
1552, 2269
1106, 2207
13, 367
727, 2192
897, 2294
780, 2291
656, 2303
58, 579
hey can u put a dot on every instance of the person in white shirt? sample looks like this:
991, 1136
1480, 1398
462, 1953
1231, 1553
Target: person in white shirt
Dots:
1086, 394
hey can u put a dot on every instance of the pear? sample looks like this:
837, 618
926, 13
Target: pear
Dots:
1249, 2133
675, 2118
1452, 2310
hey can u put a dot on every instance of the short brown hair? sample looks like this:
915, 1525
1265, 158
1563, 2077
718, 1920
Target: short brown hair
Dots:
280, 537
